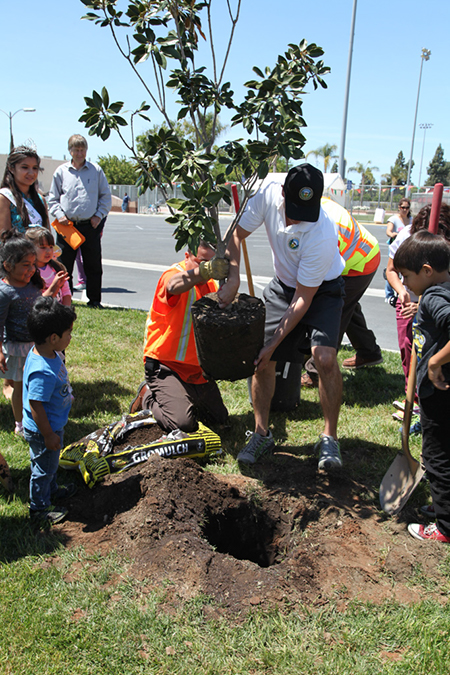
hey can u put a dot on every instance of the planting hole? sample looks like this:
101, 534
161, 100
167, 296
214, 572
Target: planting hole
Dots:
244, 531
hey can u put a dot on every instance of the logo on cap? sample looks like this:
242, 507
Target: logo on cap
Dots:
306, 193
293, 244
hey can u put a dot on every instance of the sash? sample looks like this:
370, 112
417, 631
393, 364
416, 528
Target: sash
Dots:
34, 216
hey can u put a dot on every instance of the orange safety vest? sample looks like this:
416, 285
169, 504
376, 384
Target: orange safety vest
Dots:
357, 246
169, 335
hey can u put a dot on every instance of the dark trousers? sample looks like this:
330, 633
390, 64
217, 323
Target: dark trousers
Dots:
175, 404
91, 251
353, 321
435, 419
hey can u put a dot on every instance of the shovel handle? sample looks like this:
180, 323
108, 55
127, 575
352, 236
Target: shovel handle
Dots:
410, 392
244, 245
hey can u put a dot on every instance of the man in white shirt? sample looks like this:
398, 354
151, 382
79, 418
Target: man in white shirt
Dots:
303, 301
80, 193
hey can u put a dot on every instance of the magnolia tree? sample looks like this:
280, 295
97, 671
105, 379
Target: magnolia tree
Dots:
167, 34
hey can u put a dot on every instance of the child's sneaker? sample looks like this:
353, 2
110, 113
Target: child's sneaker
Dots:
49, 516
428, 511
256, 447
401, 405
429, 532
330, 453
18, 429
64, 492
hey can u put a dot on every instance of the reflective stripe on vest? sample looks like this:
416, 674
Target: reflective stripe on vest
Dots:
186, 326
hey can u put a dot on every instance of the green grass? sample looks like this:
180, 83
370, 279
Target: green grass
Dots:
64, 611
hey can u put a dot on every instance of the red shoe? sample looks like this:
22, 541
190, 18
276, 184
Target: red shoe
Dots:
427, 532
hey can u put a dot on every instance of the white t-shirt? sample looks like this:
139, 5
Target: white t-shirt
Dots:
393, 248
398, 223
307, 253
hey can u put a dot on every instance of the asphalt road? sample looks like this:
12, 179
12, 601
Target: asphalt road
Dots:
138, 248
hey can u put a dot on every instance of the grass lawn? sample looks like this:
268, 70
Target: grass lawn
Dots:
67, 611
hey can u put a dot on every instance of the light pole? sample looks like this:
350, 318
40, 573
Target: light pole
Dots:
423, 57
347, 93
424, 127
11, 115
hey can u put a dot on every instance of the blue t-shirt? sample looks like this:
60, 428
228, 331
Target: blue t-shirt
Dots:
46, 380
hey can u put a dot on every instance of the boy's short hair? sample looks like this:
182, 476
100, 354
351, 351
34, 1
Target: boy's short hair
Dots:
423, 248
49, 316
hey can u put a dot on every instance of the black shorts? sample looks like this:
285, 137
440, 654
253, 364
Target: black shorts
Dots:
318, 328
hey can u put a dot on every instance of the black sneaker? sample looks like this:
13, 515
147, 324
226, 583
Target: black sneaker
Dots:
94, 304
64, 492
49, 516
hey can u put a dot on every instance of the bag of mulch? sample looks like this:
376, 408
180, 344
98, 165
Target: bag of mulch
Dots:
106, 451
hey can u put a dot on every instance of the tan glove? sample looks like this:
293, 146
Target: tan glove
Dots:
217, 268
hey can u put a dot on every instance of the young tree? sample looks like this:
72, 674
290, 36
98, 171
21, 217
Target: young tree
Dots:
118, 171
438, 169
326, 152
367, 177
168, 32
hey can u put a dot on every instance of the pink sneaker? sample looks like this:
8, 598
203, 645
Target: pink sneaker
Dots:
427, 532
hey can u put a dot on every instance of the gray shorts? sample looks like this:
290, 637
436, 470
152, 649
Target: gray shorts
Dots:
318, 328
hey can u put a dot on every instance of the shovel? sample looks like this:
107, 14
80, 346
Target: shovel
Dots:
405, 472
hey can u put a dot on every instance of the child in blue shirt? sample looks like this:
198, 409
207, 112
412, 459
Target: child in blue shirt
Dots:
423, 260
47, 399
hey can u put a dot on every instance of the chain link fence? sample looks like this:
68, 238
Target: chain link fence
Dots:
368, 204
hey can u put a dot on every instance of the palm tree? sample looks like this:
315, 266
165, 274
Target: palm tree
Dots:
365, 170
326, 152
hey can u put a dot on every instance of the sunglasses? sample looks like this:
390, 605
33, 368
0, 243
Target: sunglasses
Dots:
406, 208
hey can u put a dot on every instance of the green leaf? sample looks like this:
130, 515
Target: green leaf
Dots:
105, 97
97, 100
176, 203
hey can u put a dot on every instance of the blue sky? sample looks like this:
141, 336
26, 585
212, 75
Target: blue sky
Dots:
51, 59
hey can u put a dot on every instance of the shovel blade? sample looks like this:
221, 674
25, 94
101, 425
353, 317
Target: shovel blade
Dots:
398, 484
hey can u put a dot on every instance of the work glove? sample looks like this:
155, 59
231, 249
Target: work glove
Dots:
217, 268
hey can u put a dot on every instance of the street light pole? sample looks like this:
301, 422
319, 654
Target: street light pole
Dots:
347, 93
11, 115
424, 127
423, 57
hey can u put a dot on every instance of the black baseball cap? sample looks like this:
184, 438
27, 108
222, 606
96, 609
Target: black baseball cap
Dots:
303, 189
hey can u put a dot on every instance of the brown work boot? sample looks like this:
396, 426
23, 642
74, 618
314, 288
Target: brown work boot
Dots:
309, 381
139, 402
356, 362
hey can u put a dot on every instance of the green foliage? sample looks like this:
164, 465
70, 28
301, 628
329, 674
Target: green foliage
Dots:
167, 34
398, 174
438, 169
118, 170
367, 177
327, 153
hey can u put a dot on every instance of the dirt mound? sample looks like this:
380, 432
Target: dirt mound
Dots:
302, 537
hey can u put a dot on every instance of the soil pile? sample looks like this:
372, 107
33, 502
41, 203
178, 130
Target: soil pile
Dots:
302, 537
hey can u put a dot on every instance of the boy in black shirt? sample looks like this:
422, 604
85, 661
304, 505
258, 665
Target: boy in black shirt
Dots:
423, 260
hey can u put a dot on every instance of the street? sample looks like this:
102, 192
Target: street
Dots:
137, 249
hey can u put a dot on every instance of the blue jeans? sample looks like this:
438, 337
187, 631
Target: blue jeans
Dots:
44, 465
